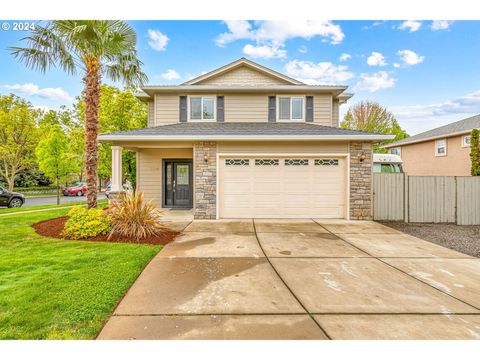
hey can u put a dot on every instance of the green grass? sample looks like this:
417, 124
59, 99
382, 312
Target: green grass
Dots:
50, 206
61, 289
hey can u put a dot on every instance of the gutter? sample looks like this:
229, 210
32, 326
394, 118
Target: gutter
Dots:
106, 137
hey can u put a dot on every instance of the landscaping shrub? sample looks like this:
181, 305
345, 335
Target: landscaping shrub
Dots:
83, 223
134, 218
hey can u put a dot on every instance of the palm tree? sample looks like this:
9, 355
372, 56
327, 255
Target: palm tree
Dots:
97, 48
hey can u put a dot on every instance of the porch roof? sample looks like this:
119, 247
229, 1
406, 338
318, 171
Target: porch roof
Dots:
242, 131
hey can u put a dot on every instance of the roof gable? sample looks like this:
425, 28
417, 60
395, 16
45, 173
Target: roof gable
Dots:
243, 71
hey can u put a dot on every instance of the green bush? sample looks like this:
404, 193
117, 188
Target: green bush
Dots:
35, 188
83, 223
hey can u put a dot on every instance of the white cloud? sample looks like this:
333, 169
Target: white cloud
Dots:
274, 33
320, 73
410, 25
376, 81
440, 24
170, 74
376, 59
264, 51
409, 57
30, 89
158, 41
422, 117
345, 57
303, 49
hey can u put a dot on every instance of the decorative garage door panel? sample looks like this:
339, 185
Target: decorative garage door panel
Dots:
282, 187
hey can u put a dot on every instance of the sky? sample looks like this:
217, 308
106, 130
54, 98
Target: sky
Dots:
425, 72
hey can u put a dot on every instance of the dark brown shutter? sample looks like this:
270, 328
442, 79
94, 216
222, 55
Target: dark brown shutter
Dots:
272, 109
183, 109
220, 108
309, 109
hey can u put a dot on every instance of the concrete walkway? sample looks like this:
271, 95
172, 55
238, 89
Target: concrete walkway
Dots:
300, 279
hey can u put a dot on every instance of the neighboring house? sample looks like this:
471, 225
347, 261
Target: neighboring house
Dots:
244, 141
444, 151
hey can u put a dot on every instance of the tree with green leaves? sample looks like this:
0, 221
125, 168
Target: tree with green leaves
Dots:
18, 136
373, 117
475, 152
119, 110
98, 48
55, 158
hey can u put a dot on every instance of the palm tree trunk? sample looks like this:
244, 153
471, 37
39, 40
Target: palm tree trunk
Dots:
92, 101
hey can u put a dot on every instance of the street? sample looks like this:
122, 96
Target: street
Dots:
47, 200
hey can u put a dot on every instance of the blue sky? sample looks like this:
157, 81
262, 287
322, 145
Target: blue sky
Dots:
426, 72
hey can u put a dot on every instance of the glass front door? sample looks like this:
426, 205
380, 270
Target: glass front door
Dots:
178, 187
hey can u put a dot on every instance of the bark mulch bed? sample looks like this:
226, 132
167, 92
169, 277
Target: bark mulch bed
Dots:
54, 227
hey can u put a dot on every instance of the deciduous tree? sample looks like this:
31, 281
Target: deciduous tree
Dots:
18, 136
55, 158
373, 117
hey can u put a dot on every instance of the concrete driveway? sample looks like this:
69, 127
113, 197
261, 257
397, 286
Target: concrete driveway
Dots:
300, 279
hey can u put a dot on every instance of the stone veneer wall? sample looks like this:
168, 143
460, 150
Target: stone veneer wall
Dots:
205, 180
361, 181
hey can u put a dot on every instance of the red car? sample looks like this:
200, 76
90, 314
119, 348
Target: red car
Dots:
79, 189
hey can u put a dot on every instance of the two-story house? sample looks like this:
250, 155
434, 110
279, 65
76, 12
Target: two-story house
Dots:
244, 141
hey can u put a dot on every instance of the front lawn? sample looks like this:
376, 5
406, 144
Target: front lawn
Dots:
61, 289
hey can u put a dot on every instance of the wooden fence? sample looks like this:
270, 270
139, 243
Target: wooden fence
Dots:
426, 199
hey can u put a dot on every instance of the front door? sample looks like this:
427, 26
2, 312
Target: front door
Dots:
178, 183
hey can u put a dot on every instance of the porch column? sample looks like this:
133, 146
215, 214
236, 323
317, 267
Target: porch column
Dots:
116, 180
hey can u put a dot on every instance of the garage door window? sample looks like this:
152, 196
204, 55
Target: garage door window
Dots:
266, 162
326, 162
296, 162
237, 162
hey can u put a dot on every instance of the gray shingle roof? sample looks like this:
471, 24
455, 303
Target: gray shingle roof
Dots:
453, 128
240, 129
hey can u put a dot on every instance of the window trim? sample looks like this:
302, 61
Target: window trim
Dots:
445, 146
399, 151
214, 97
464, 144
303, 97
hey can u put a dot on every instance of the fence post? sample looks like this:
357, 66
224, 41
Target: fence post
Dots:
405, 199
456, 199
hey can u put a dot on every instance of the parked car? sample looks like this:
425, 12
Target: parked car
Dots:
11, 199
78, 189
387, 163
108, 189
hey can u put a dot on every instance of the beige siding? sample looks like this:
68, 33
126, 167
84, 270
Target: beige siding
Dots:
149, 167
243, 75
151, 117
322, 109
298, 147
246, 108
167, 109
335, 114
419, 159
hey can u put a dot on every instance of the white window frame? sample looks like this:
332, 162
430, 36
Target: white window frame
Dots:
201, 105
291, 97
399, 148
436, 147
464, 144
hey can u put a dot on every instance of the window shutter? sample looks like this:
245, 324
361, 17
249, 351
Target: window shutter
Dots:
272, 109
220, 108
183, 109
309, 109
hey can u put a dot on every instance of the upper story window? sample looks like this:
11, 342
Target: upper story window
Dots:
441, 147
202, 108
290, 108
466, 140
396, 151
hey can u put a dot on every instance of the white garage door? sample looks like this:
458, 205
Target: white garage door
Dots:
282, 187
